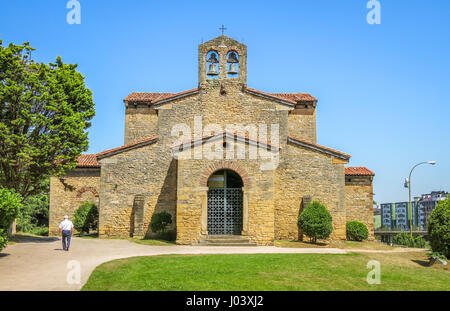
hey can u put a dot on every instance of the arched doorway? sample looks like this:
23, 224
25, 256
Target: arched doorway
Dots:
225, 203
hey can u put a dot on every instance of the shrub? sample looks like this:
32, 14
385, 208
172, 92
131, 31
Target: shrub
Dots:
436, 255
404, 239
10, 203
42, 231
439, 228
169, 235
315, 221
160, 221
419, 242
3, 238
85, 217
356, 231
34, 213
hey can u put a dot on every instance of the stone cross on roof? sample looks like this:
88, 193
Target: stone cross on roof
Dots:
223, 29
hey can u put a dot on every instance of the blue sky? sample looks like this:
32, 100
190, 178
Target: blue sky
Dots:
382, 89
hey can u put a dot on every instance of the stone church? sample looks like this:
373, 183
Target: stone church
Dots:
223, 159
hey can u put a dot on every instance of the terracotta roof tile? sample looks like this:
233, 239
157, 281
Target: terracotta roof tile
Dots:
358, 170
127, 146
154, 98
87, 160
293, 98
319, 147
90, 160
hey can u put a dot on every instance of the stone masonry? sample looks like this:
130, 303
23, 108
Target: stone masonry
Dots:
359, 198
174, 142
68, 193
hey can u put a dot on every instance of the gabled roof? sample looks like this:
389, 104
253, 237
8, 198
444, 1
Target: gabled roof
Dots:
232, 136
130, 146
91, 160
291, 98
358, 171
319, 148
221, 39
156, 99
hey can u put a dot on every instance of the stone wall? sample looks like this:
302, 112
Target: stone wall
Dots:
258, 195
359, 200
146, 174
140, 122
302, 124
274, 199
78, 186
137, 182
306, 173
220, 102
222, 45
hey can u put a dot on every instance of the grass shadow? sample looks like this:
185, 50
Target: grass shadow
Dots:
300, 244
87, 235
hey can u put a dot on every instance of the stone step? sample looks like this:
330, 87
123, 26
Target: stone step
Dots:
226, 244
226, 237
225, 240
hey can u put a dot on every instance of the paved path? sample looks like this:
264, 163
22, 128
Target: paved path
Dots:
384, 251
41, 264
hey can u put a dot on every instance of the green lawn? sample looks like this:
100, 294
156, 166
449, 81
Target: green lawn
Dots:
259, 272
150, 242
373, 245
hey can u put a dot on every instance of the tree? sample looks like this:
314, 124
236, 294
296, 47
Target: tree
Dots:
439, 228
315, 221
45, 110
10, 202
85, 217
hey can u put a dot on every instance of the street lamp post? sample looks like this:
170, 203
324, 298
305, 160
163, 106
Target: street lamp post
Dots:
409, 188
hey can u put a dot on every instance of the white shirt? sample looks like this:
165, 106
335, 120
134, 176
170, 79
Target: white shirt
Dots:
66, 225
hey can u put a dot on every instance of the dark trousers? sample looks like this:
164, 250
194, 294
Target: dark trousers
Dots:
66, 234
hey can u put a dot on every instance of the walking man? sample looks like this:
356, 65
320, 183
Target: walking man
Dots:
66, 230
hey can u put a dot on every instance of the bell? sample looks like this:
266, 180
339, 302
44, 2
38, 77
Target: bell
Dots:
233, 69
212, 59
212, 70
232, 58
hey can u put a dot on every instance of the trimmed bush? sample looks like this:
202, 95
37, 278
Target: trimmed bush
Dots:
160, 221
85, 217
439, 228
10, 203
315, 221
356, 231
